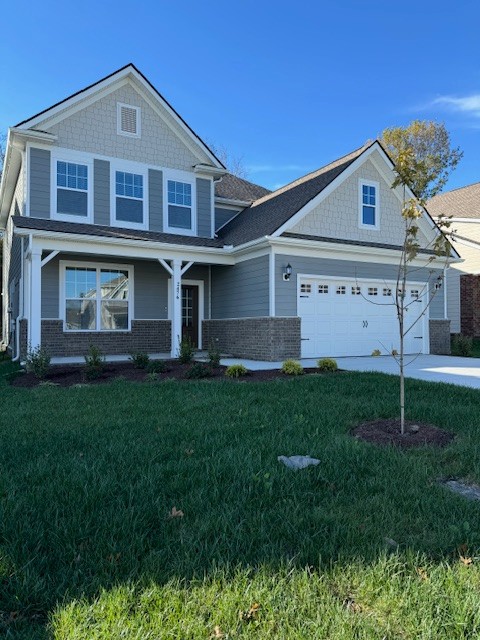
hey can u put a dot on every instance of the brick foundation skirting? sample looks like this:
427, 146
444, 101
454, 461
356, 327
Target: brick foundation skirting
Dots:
23, 338
440, 337
254, 338
470, 305
151, 336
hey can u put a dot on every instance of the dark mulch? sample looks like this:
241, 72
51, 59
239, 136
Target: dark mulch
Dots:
67, 376
387, 432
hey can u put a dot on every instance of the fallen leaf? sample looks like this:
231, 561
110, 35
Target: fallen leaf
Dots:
466, 560
422, 574
189, 452
251, 614
217, 633
176, 513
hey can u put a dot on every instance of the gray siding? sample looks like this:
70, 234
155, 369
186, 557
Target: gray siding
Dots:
241, 291
155, 199
101, 192
39, 183
14, 274
150, 287
286, 292
204, 208
453, 298
222, 216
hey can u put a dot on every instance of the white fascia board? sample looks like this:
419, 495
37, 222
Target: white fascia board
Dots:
339, 251
239, 204
73, 242
462, 220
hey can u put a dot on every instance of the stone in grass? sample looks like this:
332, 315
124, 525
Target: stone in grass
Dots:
465, 489
414, 428
298, 462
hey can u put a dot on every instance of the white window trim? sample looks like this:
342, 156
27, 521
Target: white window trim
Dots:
179, 176
63, 264
138, 133
128, 167
75, 158
369, 183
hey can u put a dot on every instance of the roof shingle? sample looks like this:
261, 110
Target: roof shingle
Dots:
235, 188
459, 203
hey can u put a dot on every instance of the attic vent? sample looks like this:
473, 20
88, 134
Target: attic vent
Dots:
128, 120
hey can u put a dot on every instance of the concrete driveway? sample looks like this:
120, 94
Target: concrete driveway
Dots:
450, 369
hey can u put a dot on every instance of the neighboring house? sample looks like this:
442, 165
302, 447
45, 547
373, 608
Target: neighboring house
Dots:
123, 230
463, 279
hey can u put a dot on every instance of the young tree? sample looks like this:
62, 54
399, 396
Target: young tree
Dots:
234, 164
434, 157
408, 169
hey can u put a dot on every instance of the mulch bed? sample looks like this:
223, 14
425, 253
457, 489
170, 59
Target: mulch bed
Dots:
387, 432
69, 375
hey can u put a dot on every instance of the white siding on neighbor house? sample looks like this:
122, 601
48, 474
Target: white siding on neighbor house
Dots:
338, 215
94, 129
471, 264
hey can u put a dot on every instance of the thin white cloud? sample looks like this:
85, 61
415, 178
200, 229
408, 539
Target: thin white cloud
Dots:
467, 104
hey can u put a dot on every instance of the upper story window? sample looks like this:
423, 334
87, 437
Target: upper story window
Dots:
129, 202
128, 120
369, 205
180, 213
71, 193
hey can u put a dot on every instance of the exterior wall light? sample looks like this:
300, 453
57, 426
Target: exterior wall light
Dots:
439, 282
287, 272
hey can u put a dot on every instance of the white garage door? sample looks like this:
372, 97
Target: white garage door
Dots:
346, 317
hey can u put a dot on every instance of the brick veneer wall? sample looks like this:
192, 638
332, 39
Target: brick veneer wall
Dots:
440, 337
23, 338
255, 338
470, 305
151, 336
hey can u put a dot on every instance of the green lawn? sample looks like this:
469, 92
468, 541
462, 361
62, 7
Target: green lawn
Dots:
88, 477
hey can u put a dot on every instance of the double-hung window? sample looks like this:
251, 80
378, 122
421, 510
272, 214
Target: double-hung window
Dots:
180, 210
97, 298
72, 183
369, 205
129, 204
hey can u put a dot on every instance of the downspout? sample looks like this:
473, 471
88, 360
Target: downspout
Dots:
21, 307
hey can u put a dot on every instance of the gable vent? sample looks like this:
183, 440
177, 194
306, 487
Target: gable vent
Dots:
128, 120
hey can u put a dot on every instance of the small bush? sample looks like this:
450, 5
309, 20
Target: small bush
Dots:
198, 370
186, 351
462, 345
327, 364
213, 354
152, 376
140, 360
157, 366
236, 371
37, 362
94, 363
292, 368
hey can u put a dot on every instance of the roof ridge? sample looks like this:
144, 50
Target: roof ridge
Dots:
313, 174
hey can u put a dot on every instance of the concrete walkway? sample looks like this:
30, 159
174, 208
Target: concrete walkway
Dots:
450, 369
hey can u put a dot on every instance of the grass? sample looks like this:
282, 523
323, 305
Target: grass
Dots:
89, 477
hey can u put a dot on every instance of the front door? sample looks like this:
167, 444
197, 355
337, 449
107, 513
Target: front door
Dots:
190, 313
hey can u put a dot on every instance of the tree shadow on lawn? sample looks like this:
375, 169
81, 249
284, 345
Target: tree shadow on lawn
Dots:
90, 478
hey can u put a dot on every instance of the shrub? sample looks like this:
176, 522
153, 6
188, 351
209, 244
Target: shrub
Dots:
94, 363
37, 362
376, 352
198, 370
157, 366
213, 354
236, 371
462, 345
292, 368
140, 360
152, 376
186, 351
327, 364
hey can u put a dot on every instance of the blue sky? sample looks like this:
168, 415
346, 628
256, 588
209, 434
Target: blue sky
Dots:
285, 86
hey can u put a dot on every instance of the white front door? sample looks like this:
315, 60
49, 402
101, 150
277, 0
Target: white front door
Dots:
346, 317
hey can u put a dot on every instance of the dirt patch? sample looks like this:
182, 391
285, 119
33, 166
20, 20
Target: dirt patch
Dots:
67, 376
387, 432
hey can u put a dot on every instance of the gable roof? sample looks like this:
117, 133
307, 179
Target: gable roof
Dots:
234, 188
271, 211
128, 69
463, 202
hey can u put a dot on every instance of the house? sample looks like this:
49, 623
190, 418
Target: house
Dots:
123, 230
463, 279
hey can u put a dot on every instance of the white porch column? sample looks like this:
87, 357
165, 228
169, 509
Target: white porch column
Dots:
35, 317
176, 305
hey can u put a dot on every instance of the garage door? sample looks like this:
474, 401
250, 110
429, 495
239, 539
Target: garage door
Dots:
353, 318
